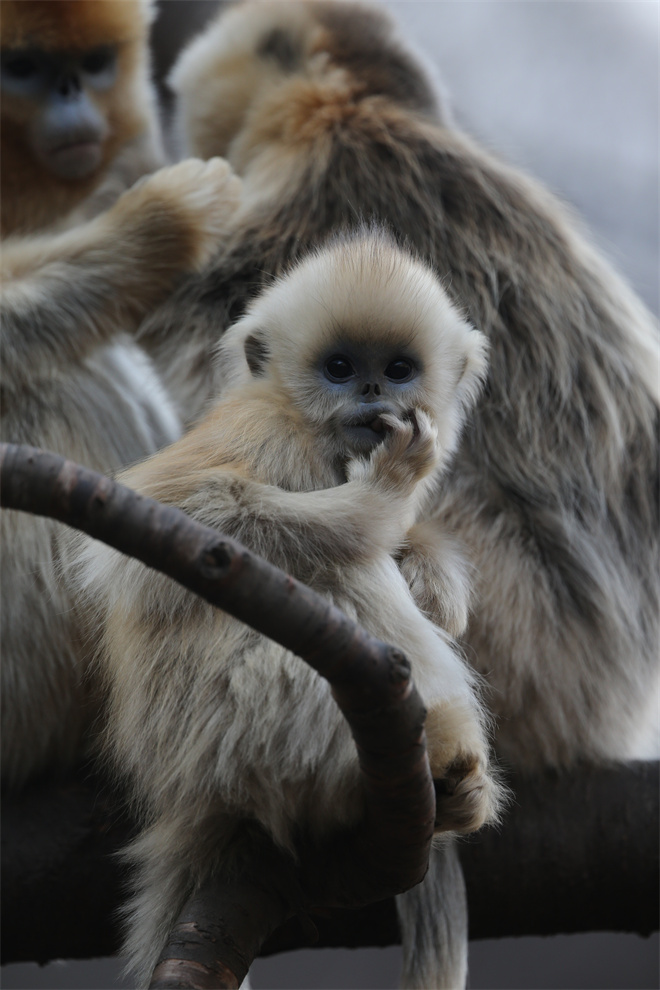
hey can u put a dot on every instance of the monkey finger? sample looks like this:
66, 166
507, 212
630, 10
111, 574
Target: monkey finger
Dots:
395, 427
412, 418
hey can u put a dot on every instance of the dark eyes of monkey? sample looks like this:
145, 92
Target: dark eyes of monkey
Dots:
22, 66
23, 72
400, 370
98, 60
29, 71
338, 368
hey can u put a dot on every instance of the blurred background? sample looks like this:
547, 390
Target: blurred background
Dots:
568, 91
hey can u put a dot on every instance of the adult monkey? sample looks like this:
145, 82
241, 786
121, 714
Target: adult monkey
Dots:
328, 120
78, 117
78, 125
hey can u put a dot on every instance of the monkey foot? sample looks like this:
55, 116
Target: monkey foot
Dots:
467, 796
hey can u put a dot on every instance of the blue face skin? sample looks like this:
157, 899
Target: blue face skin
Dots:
67, 129
370, 382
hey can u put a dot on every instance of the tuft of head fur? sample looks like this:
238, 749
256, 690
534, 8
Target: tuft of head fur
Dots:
73, 24
228, 72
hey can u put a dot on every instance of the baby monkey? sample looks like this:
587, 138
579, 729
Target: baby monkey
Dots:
346, 386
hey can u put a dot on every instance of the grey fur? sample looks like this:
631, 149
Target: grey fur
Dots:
555, 487
74, 380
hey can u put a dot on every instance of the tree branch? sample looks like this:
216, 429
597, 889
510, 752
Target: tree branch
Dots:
578, 852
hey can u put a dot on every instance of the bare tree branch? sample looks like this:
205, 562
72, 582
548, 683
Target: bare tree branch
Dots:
238, 912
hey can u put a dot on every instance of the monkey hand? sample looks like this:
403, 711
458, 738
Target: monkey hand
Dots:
180, 213
408, 454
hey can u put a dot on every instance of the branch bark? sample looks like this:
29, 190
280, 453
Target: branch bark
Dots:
371, 681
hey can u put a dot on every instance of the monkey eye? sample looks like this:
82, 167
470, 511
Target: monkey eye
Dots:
400, 370
20, 66
97, 60
338, 368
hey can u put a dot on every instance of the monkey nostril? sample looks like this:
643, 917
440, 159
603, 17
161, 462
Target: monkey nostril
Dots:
68, 86
369, 389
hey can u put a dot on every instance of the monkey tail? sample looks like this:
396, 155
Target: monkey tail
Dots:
434, 924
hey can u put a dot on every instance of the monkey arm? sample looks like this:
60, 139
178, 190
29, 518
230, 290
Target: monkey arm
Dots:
302, 532
64, 294
438, 575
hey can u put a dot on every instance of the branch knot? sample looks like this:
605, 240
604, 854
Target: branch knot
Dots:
215, 561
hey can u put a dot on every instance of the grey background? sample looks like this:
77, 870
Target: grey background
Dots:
569, 91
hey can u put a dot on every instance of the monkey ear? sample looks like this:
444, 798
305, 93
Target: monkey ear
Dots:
473, 371
257, 353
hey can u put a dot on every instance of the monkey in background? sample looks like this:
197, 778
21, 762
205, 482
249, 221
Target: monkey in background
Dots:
329, 120
78, 125
78, 121
554, 490
346, 386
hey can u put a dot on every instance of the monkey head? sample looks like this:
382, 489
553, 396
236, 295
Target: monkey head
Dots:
72, 80
357, 332
238, 69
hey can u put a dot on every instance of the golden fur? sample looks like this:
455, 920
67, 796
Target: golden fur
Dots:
73, 23
196, 698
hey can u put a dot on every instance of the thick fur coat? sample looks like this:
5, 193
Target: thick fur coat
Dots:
74, 380
213, 724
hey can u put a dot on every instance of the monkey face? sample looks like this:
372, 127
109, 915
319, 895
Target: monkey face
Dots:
353, 334
66, 128
346, 386
73, 86
364, 383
